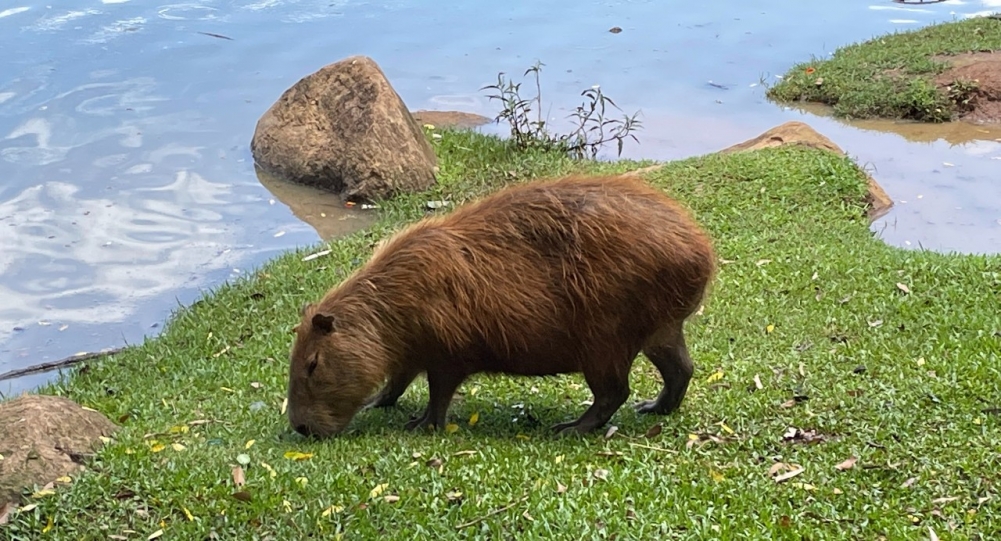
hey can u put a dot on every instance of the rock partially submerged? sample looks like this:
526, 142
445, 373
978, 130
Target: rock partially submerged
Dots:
346, 130
799, 133
43, 438
450, 119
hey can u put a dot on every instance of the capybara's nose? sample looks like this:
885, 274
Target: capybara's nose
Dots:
302, 429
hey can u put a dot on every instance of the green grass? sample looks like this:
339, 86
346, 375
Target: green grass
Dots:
890, 76
805, 300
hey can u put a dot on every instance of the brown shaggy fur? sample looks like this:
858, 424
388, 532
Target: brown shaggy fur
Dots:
578, 274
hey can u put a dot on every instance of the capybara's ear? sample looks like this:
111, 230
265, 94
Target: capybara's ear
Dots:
302, 309
323, 323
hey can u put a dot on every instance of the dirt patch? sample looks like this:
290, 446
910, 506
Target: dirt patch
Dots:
44, 438
973, 81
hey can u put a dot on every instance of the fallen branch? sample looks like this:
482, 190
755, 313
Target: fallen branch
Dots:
492, 513
68, 361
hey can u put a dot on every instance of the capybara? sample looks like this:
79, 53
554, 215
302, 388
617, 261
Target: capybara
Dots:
577, 274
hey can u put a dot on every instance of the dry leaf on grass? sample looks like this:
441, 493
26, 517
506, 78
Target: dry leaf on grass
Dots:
847, 464
296, 455
655, 430
5, 512
238, 477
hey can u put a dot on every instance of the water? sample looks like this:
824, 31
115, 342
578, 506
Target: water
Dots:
128, 186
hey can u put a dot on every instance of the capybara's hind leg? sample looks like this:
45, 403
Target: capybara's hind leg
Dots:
394, 388
610, 389
441, 387
671, 358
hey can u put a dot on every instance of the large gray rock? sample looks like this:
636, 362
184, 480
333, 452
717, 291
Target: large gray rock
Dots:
345, 129
43, 438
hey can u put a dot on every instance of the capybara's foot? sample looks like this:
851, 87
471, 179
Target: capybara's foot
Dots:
659, 407
424, 422
567, 429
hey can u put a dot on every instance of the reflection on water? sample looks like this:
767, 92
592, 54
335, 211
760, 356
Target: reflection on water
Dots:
954, 133
124, 128
324, 211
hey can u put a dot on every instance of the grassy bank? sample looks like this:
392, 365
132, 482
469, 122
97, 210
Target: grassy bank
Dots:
862, 351
892, 76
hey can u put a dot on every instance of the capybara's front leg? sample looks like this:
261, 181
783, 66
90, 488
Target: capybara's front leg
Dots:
610, 389
394, 388
676, 367
441, 387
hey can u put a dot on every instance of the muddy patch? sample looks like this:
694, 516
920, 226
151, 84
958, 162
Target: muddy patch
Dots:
973, 82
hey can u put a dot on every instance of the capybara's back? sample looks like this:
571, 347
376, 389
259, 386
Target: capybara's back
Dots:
577, 274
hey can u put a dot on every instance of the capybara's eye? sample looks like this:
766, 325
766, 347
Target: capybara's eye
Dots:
312, 366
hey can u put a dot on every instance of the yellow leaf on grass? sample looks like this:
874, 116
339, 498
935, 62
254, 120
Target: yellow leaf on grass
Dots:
296, 455
190, 517
451, 427
287, 505
332, 509
717, 476
157, 447
378, 490
769, 328
271, 471
284, 405
693, 437
154, 535
725, 428
43, 493
559, 458
179, 429
715, 376
64, 479
177, 447
473, 418
302, 481
522, 437
48, 526
249, 444
104, 439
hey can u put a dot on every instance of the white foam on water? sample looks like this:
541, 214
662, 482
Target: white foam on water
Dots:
896, 8
117, 29
903, 21
12, 11
59, 21
4, 96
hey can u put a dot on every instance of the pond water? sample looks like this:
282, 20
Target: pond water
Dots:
127, 182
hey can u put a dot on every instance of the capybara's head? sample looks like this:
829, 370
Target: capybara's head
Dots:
329, 378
